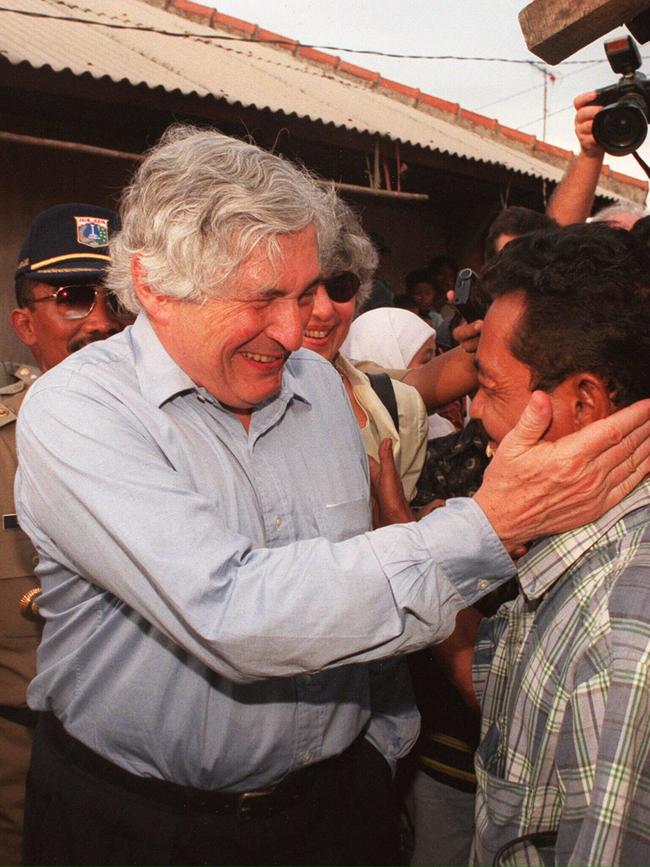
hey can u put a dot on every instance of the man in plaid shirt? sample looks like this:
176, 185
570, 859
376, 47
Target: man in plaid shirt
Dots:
562, 673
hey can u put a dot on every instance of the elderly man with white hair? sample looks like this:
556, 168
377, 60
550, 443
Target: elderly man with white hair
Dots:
216, 678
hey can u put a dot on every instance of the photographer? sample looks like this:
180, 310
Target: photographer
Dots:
610, 120
573, 198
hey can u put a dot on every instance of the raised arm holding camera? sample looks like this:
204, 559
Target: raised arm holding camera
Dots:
612, 120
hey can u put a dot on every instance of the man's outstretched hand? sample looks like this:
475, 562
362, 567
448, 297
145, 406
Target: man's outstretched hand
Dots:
533, 488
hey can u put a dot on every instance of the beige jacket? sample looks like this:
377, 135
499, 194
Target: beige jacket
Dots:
410, 444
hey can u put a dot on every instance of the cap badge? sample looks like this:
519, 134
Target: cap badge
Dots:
92, 231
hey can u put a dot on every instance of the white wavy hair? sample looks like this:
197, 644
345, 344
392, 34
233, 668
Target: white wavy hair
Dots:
200, 204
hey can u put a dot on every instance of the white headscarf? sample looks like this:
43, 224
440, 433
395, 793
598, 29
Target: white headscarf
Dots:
389, 336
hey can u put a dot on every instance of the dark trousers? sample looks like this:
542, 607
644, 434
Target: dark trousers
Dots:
76, 815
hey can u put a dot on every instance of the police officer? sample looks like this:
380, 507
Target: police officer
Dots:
61, 306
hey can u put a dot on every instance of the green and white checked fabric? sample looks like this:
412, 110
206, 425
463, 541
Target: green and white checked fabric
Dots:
563, 676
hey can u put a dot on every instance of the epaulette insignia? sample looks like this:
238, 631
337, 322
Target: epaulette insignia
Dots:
7, 416
26, 374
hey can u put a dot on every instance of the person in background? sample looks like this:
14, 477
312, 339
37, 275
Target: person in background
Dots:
395, 339
419, 287
573, 199
61, 306
620, 215
510, 223
337, 300
442, 273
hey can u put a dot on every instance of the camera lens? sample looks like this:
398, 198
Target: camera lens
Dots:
621, 128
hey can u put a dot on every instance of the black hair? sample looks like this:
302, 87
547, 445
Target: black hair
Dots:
641, 231
405, 302
586, 292
515, 221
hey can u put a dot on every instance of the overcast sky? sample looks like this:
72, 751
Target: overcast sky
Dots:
513, 93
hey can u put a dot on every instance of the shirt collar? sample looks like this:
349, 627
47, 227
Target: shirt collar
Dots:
161, 378
294, 383
550, 558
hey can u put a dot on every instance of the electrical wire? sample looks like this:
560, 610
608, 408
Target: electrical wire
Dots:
531, 89
550, 114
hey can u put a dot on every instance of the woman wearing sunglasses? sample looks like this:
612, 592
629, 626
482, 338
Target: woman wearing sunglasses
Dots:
337, 300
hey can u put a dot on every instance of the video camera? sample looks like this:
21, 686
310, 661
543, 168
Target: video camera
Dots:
621, 127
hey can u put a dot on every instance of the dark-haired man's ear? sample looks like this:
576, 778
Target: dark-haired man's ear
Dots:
591, 400
21, 321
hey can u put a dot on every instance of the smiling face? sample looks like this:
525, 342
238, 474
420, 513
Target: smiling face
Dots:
505, 382
236, 347
50, 336
328, 324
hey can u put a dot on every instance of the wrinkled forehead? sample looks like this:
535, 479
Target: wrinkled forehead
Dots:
282, 265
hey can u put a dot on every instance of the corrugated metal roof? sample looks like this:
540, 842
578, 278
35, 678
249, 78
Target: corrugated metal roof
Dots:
252, 74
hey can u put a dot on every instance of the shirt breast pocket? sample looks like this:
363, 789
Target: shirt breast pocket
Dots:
508, 809
340, 521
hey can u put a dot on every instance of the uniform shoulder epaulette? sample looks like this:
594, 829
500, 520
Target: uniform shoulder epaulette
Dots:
26, 373
15, 378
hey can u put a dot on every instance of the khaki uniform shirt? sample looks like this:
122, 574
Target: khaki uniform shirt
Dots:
19, 634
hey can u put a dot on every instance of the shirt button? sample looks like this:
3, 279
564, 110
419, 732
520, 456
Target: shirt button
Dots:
483, 584
278, 521
306, 757
3, 411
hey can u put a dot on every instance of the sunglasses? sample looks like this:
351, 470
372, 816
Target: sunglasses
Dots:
342, 287
78, 301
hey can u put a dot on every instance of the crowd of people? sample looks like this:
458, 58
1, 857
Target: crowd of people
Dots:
275, 589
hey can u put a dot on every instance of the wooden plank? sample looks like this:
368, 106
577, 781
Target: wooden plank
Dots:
555, 29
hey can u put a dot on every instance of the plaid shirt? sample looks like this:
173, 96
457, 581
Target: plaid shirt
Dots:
563, 677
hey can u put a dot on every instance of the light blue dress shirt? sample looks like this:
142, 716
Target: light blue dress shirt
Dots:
216, 612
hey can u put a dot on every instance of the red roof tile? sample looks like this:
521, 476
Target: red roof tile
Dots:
358, 71
191, 9
403, 89
318, 56
235, 23
442, 104
280, 41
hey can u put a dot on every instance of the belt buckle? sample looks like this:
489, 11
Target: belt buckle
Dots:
247, 800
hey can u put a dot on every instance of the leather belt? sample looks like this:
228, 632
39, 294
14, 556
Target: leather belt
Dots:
270, 799
22, 716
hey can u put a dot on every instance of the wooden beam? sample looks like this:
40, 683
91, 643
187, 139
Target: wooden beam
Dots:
555, 29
